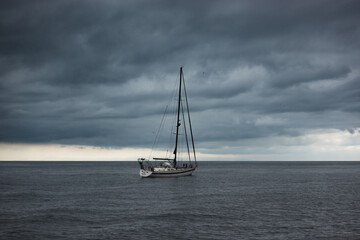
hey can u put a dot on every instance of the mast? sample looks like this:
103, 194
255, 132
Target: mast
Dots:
178, 118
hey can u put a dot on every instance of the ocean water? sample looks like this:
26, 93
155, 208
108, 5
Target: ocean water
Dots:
222, 200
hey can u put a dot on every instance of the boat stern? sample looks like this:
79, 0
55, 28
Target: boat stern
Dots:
145, 173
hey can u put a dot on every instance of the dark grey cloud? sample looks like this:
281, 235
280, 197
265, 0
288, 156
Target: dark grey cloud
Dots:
99, 72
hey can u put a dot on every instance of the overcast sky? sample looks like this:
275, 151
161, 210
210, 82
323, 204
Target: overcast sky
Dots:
267, 80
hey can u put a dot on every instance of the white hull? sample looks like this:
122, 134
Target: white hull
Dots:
167, 174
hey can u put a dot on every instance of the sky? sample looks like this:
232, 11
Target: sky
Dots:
266, 80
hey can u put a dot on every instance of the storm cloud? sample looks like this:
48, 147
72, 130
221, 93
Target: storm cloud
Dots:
99, 72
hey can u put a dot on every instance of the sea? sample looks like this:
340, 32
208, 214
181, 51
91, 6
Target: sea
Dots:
222, 200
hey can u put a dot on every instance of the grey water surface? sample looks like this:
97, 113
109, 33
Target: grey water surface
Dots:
222, 200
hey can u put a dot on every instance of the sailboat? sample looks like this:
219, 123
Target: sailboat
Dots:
182, 160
